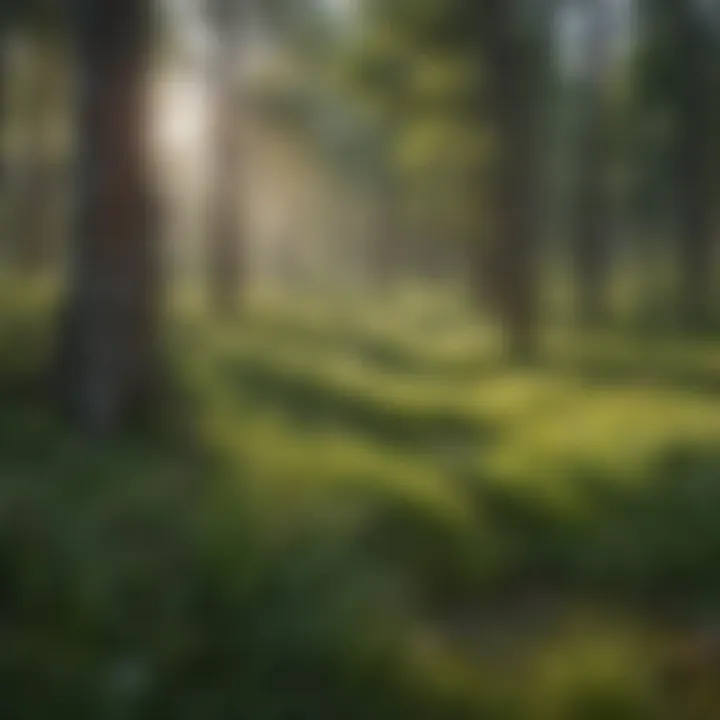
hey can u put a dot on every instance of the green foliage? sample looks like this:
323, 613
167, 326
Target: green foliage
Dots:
341, 520
33, 13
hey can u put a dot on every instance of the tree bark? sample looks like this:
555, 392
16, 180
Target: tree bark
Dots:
511, 260
591, 230
31, 228
387, 245
108, 349
694, 171
3, 111
225, 251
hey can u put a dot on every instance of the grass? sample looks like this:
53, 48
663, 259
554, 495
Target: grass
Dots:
366, 514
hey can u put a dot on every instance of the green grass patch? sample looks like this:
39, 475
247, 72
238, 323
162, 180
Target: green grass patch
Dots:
364, 513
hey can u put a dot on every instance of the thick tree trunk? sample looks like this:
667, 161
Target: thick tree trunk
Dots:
225, 249
108, 351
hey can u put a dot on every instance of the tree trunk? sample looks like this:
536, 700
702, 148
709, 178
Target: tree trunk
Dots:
226, 255
512, 251
108, 349
590, 240
31, 229
387, 245
694, 172
3, 113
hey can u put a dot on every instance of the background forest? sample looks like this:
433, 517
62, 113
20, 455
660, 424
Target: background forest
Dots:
359, 359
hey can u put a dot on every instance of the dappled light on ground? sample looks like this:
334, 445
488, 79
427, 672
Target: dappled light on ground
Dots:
372, 521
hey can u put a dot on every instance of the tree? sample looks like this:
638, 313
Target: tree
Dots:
33, 17
108, 354
681, 83
696, 126
224, 231
590, 231
3, 103
512, 46
504, 42
31, 226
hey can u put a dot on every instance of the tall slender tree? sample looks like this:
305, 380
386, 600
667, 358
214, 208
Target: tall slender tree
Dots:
694, 157
511, 53
108, 357
591, 212
9, 19
680, 80
225, 250
30, 225
3, 102
42, 22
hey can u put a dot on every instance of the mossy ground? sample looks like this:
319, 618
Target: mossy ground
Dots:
356, 509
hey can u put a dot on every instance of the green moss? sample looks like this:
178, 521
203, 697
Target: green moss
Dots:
348, 482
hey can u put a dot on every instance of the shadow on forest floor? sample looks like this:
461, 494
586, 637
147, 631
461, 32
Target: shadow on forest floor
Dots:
364, 527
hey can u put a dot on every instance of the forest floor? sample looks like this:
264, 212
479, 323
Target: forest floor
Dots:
358, 510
